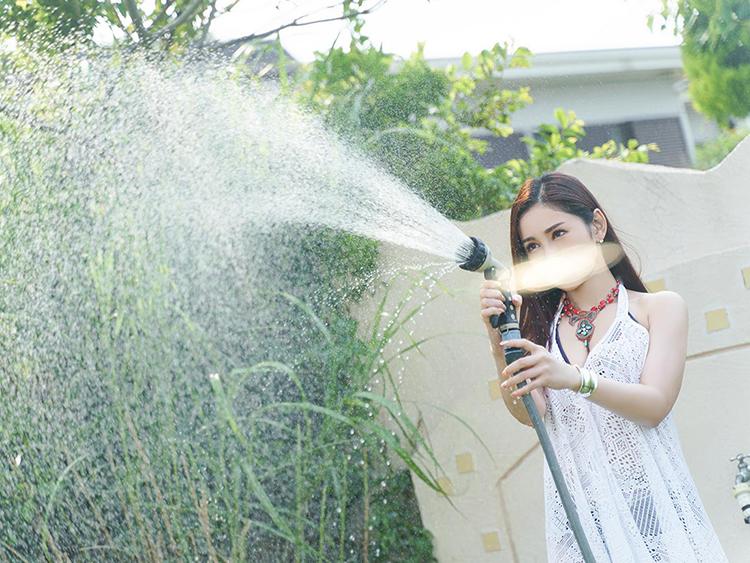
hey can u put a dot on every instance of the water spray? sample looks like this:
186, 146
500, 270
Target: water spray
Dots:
477, 257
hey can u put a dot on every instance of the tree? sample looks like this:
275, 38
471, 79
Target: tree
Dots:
173, 24
715, 52
419, 122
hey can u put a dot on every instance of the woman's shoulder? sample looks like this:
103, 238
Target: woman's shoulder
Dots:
648, 306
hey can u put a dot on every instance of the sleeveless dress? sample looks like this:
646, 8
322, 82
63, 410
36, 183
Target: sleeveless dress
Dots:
634, 494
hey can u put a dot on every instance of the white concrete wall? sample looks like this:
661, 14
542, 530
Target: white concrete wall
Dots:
690, 230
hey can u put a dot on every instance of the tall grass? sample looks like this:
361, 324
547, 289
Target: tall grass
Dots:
159, 405
171, 392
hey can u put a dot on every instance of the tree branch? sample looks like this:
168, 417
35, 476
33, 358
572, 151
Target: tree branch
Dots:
230, 6
136, 17
188, 13
114, 18
208, 23
162, 14
298, 23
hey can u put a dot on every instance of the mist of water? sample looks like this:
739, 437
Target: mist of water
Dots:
198, 142
152, 217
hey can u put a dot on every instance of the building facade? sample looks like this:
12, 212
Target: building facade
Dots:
620, 94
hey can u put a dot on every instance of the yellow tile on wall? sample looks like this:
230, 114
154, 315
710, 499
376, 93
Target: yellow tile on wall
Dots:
655, 285
465, 463
717, 320
746, 276
494, 388
491, 541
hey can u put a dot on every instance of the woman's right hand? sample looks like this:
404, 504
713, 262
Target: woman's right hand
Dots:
491, 303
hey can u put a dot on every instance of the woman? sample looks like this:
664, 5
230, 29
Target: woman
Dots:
604, 367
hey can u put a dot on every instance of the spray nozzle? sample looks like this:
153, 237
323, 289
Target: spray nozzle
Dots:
476, 257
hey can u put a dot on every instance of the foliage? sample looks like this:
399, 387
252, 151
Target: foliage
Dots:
397, 523
715, 52
554, 144
24, 18
711, 153
172, 25
52, 21
167, 401
149, 454
420, 122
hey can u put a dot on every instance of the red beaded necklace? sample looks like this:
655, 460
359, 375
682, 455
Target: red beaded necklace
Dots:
585, 319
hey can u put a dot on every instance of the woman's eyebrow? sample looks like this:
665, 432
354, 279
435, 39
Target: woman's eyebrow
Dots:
548, 229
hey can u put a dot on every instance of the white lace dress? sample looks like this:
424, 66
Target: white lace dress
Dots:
636, 499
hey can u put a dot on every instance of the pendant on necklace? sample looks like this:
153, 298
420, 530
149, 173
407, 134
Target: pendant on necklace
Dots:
585, 328
584, 331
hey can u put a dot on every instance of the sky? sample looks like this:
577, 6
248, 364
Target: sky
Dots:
451, 27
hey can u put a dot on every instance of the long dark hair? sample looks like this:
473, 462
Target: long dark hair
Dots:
568, 194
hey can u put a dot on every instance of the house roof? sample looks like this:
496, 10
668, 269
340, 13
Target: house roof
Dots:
597, 64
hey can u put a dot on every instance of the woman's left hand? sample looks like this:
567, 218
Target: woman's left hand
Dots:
541, 367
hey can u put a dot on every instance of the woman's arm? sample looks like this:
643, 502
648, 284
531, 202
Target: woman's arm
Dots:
649, 401
518, 410
492, 302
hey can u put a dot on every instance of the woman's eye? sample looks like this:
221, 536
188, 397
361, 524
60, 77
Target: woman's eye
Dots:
531, 246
